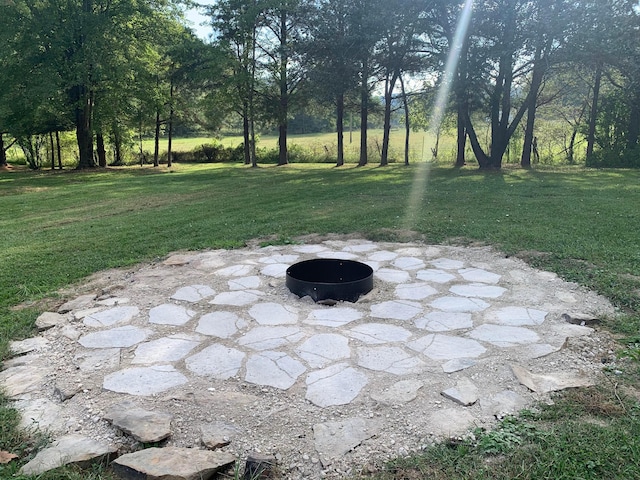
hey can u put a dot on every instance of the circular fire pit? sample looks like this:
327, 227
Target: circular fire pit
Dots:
325, 279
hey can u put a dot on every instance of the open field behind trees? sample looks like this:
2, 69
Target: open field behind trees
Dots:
321, 147
583, 224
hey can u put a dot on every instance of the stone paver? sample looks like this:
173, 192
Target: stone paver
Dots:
193, 293
440, 332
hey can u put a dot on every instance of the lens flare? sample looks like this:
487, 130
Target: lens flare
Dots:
421, 176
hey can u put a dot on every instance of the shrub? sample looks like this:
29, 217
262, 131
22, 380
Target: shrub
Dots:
629, 158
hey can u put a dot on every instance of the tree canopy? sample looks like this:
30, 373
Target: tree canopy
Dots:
113, 70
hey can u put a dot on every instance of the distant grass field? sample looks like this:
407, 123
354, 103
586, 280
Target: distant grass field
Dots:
321, 144
57, 228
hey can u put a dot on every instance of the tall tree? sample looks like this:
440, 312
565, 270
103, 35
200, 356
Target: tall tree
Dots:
400, 51
282, 62
333, 70
502, 33
236, 22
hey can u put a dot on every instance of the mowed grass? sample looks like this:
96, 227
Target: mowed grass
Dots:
57, 228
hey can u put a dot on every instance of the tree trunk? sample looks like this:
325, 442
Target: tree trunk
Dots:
84, 133
571, 149
532, 101
102, 154
156, 141
170, 127
407, 126
461, 105
59, 149
364, 110
389, 85
246, 133
591, 134
3, 152
252, 85
117, 147
340, 128
284, 97
461, 137
53, 153
634, 121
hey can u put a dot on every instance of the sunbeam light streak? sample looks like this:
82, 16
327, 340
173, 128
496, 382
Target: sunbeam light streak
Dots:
419, 184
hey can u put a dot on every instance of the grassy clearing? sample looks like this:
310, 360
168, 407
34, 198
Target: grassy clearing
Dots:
320, 145
583, 224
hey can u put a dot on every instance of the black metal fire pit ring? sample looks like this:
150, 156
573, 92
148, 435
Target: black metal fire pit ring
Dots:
325, 279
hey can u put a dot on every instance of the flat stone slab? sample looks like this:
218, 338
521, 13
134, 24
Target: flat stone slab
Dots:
415, 291
322, 349
273, 369
144, 381
444, 321
172, 463
504, 336
244, 283
278, 270
279, 259
396, 310
220, 324
392, 275
65, 450
447, 263
77, 303
378, 333
447, 347
40, 414
237, 298
464, 393
118, 337
271, 313
458, 364
19, 382
236, 271
98, 359
268, 338
338, 384
112, 316
459, 304
478, 275
333, 439
193, 293
388, 359
334, 316
216, 361
550, 382
144, 425
383, 256
49, 320
478, 290
28, 345
408, 263
403, 391
517, 316
170, 314
435, 275
166, 349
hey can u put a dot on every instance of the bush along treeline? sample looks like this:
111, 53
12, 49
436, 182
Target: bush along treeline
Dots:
543, 78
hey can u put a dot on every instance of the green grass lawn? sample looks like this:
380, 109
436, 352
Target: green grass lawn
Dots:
583, 224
